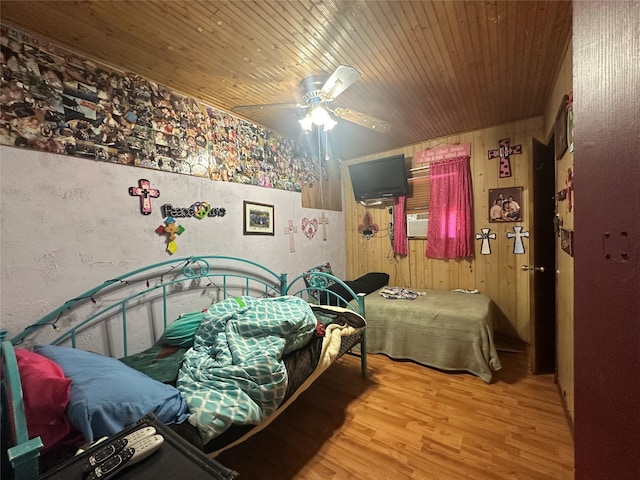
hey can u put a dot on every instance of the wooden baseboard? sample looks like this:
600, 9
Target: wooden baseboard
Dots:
565, 408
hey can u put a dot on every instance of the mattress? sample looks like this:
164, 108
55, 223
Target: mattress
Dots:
442, 329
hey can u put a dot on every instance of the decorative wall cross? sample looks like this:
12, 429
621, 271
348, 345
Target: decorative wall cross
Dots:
485, 247
171, 229
290, 230
570, 187
324, 221
503, 153
518, 246
145, 192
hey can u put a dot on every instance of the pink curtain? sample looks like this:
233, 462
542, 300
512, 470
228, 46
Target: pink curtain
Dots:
450, 231
399, 227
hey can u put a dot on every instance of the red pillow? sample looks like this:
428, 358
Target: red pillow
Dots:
46, 394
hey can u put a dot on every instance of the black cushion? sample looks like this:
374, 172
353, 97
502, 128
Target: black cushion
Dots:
368, 283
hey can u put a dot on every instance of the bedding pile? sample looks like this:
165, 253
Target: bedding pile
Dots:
397, 293
234, 373
215, 376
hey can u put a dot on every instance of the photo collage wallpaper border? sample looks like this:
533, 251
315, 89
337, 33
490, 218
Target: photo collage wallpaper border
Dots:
56, 101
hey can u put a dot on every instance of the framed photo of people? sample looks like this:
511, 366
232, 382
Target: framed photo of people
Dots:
505, 204
258, 218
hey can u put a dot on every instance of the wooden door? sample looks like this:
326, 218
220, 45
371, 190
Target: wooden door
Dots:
543, 268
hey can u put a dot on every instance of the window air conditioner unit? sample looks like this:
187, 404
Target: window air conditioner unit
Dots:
417, 225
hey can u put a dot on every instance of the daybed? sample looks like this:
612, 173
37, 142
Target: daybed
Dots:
232, 345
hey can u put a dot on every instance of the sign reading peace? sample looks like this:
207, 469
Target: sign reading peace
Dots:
199, 210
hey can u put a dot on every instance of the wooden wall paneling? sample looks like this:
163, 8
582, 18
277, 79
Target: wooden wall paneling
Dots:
565, 262
404, 264
467, 279
352, 254
423, 274
564, 329
523, 132
440, 278
416, 275
484, 141
499, 275
425, 264
519, 169
485, 177
378, 244
326, 193
360, 264
507, 278
479, 166
454, 272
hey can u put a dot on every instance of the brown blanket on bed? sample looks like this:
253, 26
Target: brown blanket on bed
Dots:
442, 329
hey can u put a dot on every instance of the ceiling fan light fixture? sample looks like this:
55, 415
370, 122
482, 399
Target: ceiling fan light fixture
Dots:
319, 115
306, 123
329, 123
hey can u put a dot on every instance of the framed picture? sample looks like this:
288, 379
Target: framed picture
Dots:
258, 218
566, 241
505, 204
560, 129
570, 123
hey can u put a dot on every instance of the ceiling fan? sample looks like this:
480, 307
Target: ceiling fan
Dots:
317, 93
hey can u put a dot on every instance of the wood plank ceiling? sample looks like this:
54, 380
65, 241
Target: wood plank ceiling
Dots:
430, 68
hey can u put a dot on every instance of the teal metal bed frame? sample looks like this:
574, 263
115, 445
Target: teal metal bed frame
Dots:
157, 284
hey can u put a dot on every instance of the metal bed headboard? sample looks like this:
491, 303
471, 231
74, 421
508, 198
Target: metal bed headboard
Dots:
225, 276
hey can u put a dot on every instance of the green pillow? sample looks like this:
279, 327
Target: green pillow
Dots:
181, 332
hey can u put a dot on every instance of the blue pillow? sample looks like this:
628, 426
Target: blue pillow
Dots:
107, 395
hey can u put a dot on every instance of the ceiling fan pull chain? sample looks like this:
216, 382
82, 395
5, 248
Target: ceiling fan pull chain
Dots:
326, 145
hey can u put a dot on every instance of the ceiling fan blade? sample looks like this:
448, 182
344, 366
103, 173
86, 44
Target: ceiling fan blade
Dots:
339, 81
362, 119
267, 106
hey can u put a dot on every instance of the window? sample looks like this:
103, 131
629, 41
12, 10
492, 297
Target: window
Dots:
418, 197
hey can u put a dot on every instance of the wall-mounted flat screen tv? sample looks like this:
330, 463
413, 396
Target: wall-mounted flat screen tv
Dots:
384, 177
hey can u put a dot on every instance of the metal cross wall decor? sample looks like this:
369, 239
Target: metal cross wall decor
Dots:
518, 245
485, 247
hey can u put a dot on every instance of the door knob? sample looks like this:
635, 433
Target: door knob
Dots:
526, 268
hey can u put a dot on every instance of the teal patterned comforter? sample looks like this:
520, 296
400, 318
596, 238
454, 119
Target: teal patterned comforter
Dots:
234, 373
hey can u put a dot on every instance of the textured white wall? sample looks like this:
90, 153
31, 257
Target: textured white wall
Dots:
68, 224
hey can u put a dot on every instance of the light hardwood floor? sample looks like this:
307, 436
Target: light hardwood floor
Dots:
407, 421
